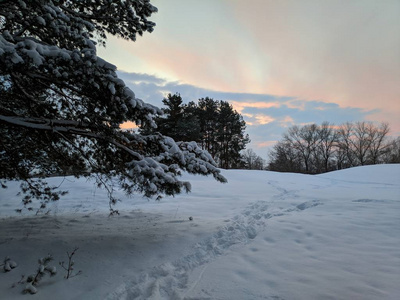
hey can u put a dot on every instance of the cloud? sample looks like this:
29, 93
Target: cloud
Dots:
141, 78
266, 144
343, 53
267, 116
240, 105
264, 119
286, 121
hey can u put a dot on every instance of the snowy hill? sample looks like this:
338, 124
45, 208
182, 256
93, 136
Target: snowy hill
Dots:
263, 235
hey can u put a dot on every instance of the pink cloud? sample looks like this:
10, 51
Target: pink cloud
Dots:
263, 119
335, 52
265, 144
240, 106
346, 53
287, 121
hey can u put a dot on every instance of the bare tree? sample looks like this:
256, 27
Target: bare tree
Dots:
345, 151
305, 140
318, 149
377, 146
362, 142
391, 153
252, 161
284, 158
327, 146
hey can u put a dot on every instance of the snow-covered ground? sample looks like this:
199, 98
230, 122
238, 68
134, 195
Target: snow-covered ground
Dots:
263, 235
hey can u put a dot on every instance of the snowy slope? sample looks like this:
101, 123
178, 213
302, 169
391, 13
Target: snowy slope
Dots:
263, 235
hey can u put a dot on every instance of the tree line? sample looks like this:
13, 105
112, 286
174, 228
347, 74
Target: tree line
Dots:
314, 149
213, 124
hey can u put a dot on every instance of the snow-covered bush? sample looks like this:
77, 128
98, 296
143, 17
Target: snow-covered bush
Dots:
8, 264
43, 269
61, 106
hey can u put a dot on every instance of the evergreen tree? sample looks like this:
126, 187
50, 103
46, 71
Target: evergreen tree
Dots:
173, 116
222, 132
230, 136
61, 106
179, 120
212, 124
207, 112
191, 123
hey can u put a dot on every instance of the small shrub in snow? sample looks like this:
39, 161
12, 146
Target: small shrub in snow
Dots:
8, 264
70, 266
43, 268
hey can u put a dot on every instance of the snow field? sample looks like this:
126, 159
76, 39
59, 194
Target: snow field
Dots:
262, 235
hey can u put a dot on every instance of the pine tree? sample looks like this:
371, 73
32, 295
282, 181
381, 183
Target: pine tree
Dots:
190, 123
231, 138
179, 120
208, 115
61, 106
213, 124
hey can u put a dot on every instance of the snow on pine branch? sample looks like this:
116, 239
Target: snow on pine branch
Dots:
61, 106
74, 70
160, 172
150, 175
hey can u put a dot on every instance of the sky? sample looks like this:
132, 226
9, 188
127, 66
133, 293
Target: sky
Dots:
279, 63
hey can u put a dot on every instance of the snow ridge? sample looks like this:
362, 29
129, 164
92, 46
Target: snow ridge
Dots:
170, 280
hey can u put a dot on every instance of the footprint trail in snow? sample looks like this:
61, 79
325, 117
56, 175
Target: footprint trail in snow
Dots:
170, 280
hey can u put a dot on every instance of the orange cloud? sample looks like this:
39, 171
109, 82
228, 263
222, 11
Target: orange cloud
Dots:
263, 119
286, 121
248, 115
329, 51
300, 105
265, 144
240, 106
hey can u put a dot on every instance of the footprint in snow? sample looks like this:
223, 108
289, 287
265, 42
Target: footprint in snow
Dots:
170, 280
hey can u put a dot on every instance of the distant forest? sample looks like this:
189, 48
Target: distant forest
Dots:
310, 149
314, 149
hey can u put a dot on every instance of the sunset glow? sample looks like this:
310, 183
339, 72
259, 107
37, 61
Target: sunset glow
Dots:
277, 62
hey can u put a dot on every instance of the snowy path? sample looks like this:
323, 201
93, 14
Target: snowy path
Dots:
170, 280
